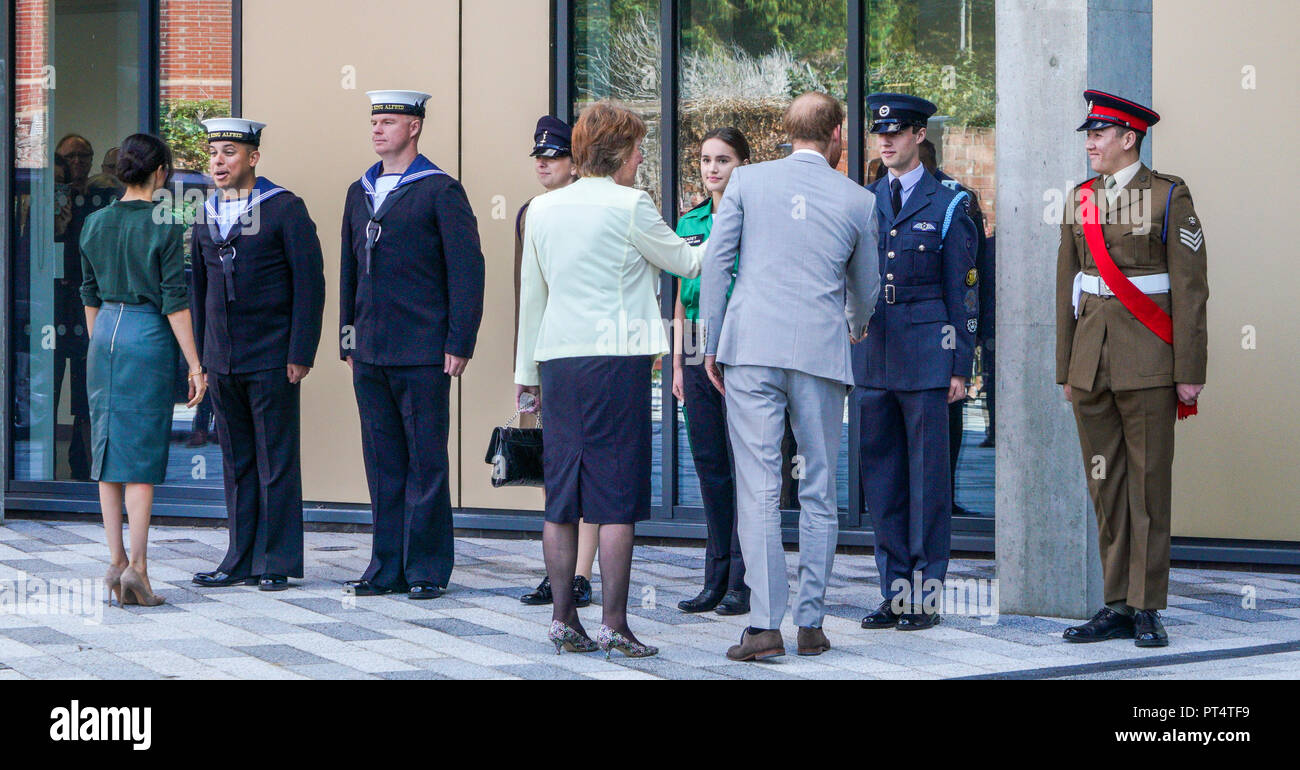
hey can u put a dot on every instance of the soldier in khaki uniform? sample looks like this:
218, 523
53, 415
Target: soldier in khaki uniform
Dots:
1130, 352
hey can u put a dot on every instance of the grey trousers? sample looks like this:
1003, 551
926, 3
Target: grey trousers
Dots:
757, 400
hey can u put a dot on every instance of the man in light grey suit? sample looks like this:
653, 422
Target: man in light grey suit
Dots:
805, 288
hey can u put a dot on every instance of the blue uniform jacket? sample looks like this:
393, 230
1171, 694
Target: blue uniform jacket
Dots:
423, 295
923, 331
279, 281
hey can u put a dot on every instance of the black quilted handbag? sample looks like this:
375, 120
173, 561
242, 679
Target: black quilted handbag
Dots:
515, 455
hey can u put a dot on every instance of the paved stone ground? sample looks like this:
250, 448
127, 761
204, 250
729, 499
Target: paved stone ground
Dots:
480, 630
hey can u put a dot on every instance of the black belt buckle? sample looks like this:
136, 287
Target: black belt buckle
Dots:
889, 294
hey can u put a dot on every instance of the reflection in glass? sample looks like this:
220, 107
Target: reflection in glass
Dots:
616, 54
77, 94
741, 67
943, 50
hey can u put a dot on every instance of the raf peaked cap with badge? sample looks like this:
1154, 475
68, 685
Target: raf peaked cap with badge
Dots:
891, 113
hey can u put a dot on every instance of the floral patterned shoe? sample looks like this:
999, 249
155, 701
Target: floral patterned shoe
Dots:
566, 638
609, 639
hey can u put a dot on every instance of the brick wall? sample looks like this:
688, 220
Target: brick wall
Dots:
196, 43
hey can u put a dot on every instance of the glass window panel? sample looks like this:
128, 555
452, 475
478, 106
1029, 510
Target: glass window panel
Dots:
77, 94
943, 50
194, 84
741, 65
616, 55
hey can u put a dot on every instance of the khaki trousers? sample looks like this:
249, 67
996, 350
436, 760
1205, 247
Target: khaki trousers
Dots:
1127, 438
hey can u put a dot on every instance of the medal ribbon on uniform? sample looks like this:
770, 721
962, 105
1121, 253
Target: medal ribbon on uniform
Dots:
1131, 297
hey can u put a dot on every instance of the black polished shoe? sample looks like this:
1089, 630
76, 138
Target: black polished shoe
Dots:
581, 591
365, 588
423, 590
883, 617
273, 583
734, 603
219, 579
704, 601
1148, 631
1106, 624
542, 595
918, 621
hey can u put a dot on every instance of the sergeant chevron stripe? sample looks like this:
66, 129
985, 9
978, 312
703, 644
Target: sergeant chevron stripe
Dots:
1191, 239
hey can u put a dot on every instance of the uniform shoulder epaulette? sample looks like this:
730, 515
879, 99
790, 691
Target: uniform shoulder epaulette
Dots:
1168, 177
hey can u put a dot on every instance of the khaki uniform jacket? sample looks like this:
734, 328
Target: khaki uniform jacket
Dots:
1137, 357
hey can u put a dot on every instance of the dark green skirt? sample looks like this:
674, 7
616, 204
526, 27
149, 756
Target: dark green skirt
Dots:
130, 375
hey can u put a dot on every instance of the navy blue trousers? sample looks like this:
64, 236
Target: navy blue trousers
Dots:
257, 421
404, 424
905, 482
706, 425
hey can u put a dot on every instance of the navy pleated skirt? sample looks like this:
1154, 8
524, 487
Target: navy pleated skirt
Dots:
131, 366
596, 453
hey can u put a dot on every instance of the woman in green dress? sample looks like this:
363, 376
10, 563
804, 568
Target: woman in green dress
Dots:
137, 308
721, 151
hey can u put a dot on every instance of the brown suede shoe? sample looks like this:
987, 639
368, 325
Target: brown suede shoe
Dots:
760, 646
813, 641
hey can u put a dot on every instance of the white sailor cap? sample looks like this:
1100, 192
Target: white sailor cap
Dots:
400, 102
234, 130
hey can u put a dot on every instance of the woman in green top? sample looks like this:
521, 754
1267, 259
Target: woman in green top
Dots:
722, 150
134, 288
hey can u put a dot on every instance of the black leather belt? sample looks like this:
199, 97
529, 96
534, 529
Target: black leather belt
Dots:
896, 294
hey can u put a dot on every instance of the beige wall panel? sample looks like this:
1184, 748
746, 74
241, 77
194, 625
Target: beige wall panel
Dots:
1235, 473
296, 55
506, 85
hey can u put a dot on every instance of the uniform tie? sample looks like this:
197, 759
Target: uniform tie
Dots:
896, 195
1112, 190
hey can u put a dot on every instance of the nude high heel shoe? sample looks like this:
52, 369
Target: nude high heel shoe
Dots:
113, 584
135, 588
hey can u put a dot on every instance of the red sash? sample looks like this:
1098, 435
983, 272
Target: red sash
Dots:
1140, 305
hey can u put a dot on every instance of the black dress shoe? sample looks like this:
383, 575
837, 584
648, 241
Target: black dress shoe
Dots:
917, 621
1106, 624
540, 596
273, 583
704, 601
1148, 631
423, 590
581, 591
219, 579
365, 588
883, 617
734, 603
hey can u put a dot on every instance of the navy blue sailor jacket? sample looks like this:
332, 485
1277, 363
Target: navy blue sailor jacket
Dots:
411, 286
259, 291
923, 331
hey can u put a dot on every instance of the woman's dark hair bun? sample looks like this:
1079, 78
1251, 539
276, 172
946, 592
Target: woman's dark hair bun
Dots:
140, 156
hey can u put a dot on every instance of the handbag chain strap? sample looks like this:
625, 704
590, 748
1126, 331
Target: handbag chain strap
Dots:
516, 416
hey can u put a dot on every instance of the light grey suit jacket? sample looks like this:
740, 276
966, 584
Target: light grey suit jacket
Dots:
807, 274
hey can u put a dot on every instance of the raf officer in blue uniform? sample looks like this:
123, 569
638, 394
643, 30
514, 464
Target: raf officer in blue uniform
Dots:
411, 301
259, 291
912, 364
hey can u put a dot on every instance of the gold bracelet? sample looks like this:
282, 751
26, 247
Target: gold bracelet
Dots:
196, 372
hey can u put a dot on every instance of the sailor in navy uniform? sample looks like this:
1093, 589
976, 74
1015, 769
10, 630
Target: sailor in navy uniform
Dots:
411, 301
259, 292
913, 363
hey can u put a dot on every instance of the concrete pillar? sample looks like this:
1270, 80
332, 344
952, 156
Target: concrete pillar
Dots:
1048, 53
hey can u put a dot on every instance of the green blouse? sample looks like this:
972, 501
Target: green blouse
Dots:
695, 226
127, 257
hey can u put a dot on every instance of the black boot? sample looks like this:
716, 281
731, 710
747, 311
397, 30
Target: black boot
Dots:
540, 596
1106, 624
704, 601
581, 591
736, 602
1148, 630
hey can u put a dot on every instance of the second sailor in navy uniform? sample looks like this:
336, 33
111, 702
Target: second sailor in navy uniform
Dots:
912, 364
411, 301
259, 292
